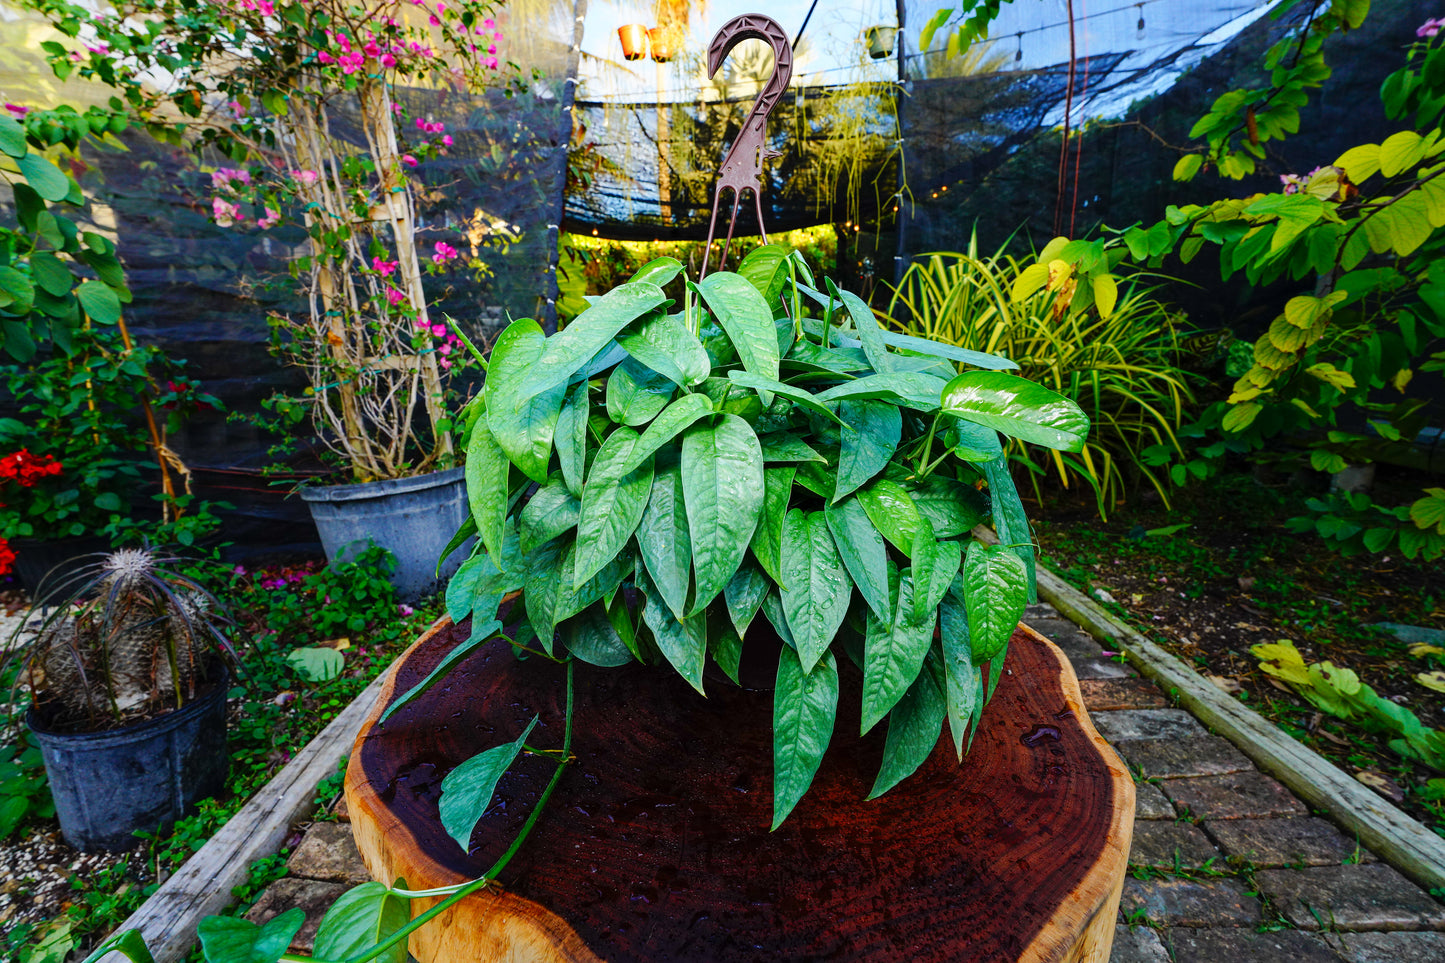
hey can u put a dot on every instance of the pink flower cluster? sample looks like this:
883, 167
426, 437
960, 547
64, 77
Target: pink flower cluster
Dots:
1430, 27
450, 343
429, 126
221, 178
17, 110
224, 212
384, 268
1294, 183
351, 54
444, 253
267, 8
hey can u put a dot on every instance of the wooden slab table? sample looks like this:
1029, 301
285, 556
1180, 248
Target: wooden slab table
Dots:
656, 847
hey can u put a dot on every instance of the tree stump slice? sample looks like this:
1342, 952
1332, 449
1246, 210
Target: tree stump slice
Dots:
655, 845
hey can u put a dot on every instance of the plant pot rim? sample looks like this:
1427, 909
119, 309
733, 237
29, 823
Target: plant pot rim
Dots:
146, 727
361, 491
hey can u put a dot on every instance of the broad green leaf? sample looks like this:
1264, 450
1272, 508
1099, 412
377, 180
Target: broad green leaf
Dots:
745, 593
773, 611
960, 674
683, 643
660, 342
483, 631
870, 434
950, 506
722, 479
571, 438
548, 513
591, 637
893, 655
1187, 166
863, 553
891, 510
468, 789
786, 446
869, 333
523, 425
815, 586
18, 290
1009, 519
767, 541
748, 321
817, 477
668, 425
767, 386
940, 350
573, 601
316, 663
98, 301
128, 943
549, 572
913, 728
613, 501
579, 342
486, 472
726, 647
48, 180
1018, 408
50, 273
658, 271
1401, 151
362, 917
229, 939
935, 564
805, 704
662, 539
975, 442
12, 137
921, 392
635, 394
995, 586
479, 584
766, 268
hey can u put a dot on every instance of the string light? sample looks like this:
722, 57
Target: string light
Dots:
1140, 29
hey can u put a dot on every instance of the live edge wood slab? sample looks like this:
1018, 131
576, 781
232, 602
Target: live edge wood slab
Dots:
655, 845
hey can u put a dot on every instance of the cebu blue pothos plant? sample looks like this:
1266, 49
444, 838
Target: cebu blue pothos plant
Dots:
767, 450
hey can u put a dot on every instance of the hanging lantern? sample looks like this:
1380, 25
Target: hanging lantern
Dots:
663, 42
880, 41
634, 41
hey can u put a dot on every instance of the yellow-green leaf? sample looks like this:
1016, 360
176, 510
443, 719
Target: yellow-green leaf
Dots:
1429, 511
1400, 152
1242, 416
1187, 166
1106, 293
1360, 163
1331, 376
1282, 660
1029, 281
1432, 680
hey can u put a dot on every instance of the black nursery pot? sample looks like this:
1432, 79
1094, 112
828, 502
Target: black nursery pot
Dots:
108, 785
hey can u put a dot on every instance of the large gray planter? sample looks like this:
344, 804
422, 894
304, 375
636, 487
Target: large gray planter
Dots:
414, 518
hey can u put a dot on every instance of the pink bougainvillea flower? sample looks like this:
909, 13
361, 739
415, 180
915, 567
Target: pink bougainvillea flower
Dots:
445, 349
17, 110
447, 140
224, 212
384, 268
394, 297
438, 330
387, 60
325, 57
489, 23
444, 253
307, 177
1290, 183
1430, 27
270, 219
408, 160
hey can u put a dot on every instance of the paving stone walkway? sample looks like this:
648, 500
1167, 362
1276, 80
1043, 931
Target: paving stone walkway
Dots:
1227, 865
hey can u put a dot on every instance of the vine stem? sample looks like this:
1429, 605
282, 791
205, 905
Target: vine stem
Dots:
463, 890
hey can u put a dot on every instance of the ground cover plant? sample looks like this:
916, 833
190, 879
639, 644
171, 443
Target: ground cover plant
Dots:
348, 610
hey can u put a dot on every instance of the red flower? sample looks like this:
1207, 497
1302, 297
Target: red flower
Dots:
7, 557
26, 469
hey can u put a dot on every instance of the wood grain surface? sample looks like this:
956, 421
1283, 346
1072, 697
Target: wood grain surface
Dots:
656, 844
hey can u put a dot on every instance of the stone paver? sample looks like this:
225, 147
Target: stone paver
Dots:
313, 896
1188, 902
1107, 695
1289, 841
1370, 897
1151, 803
1247, 946
1387, 947
1137, 944
1132, 724
1190, 756
1239, 795
327, 852
1170, 844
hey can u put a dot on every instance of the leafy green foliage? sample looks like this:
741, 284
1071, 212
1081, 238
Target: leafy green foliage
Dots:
24, 792
809, 456
467, 789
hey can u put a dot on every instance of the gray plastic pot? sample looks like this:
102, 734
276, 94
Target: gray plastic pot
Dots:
108, 785
412, 517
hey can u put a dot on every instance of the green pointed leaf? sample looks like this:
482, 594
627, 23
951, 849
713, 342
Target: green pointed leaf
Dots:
726, 647
767, 541
582, 340
613, 501
362, 917
815, 586
128, 943
660, 342
479, 585
228, 939
869, 333
1018, 408
773, 611
571, 438
745, 593
12, 137
98, 301
548, 513
523, 425
747, 319
51, 273
891, 510
48, 180
938, 349
870, 434
483, 631
913, 728
766, 268
1009, 519
467, 790
950, 506
805, 705
921, 392
673, 420
767, 386
960, 674
573, 601
663, 540
995, 585
682, 642
893, 655
786, 446
550, 570
975, 442
486, 473
863, 553
722, 479
658, 271
635, 394
935, 564
591, 637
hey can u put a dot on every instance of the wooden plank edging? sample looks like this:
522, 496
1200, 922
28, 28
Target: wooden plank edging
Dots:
202, 886
1393, 835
